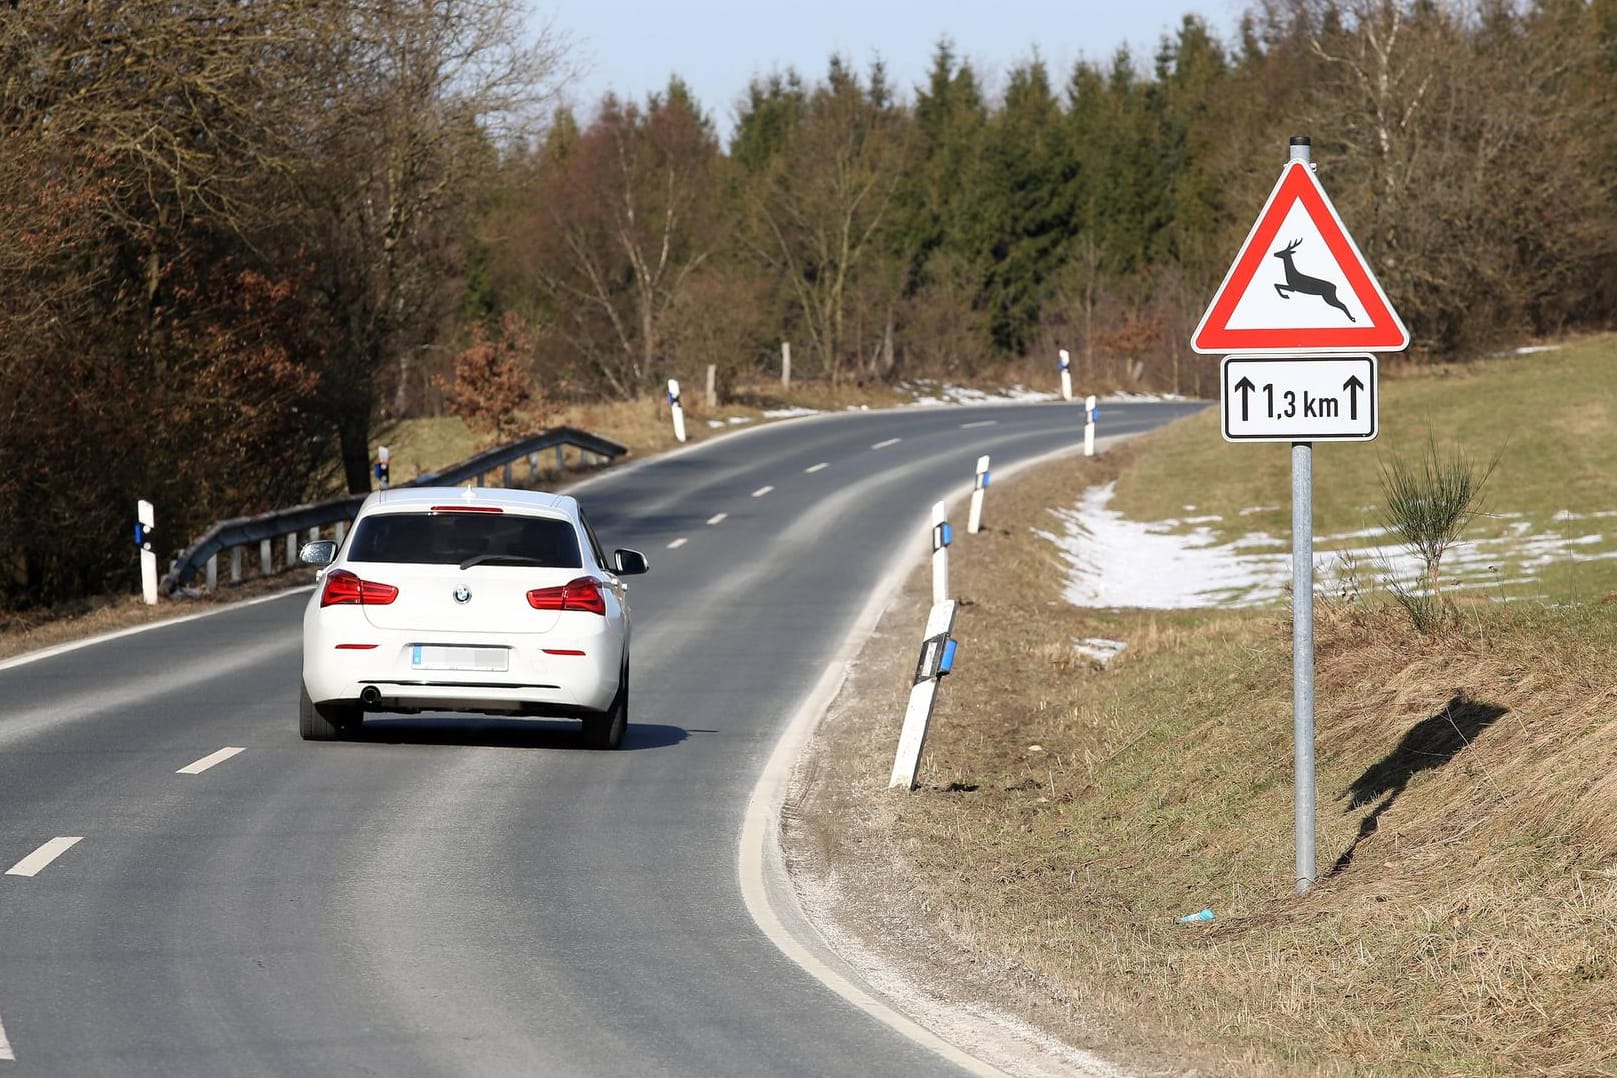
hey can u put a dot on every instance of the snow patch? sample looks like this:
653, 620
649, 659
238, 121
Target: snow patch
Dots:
1099, 650
1178, 564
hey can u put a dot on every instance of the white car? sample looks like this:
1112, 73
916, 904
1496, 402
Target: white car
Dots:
455, 599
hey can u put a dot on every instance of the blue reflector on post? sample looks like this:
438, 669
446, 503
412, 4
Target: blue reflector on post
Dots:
948, 533
946, 663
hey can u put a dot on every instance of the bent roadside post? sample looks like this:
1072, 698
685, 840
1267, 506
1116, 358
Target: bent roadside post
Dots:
937, 659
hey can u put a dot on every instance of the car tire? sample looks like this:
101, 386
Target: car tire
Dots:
324, 722
605, 731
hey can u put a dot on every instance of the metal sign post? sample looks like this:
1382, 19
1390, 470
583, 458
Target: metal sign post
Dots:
1313, 379
1302, 628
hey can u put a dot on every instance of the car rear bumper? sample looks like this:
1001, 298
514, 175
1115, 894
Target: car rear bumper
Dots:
561, 682
514, 700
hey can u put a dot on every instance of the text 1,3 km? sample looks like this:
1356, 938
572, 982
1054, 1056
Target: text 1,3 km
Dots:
1299, 399
1289, 404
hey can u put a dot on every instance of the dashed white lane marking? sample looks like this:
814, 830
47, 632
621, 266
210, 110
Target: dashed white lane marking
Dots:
5, 1045
36, 861
816, 468
717, 518
677, 543
979, 423
209, 760
888, 442
761, 491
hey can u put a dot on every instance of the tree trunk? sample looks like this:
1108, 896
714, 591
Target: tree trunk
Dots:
354, 436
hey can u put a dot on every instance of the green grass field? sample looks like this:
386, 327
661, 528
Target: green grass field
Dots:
1549, 418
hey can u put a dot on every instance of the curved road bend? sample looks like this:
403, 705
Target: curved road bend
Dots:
466, 896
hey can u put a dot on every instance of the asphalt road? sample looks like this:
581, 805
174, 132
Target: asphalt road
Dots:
469, 896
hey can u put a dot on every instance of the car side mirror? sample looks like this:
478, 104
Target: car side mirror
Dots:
629, 562
318, 552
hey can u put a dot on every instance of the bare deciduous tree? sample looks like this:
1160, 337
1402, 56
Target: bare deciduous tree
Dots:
620, 220
421, 93
818, 212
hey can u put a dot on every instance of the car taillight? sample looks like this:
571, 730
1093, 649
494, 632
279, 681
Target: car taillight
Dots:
344, 587
581, 594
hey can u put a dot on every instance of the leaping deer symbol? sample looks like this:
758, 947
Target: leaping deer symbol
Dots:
1308, 286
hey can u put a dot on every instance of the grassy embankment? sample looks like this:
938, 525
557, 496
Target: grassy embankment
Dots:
1067, 814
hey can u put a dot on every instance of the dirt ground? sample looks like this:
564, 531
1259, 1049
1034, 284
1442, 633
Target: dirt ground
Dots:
843, 835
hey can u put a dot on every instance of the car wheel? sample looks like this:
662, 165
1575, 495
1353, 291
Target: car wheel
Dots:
324, 722
605, 731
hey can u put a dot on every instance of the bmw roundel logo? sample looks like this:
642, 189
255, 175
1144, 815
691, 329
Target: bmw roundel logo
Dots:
463, 594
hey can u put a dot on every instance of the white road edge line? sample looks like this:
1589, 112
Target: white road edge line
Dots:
761, 491
117, 634
717, 518
816, 468
209, 760
5, 1045
677, 543
35, 862
761, 866
888, 442
979, 423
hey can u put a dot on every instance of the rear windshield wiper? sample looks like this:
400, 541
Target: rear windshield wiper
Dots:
501, 559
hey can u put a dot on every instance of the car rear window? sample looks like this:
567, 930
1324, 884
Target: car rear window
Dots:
451, 538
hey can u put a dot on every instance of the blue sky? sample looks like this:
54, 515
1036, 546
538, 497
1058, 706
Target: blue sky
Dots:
632, 46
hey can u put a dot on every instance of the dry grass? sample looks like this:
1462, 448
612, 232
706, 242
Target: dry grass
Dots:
1068, 815
644, 425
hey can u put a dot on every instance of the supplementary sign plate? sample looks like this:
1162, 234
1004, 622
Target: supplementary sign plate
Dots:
1300, 398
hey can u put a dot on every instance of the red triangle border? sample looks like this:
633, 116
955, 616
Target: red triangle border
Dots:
1384, 332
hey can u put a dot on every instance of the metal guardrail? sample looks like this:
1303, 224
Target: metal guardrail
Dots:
240, 532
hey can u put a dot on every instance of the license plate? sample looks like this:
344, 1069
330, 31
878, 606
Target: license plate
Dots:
449, 657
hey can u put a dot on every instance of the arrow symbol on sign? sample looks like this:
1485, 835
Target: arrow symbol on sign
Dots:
1245, 387
1353, 387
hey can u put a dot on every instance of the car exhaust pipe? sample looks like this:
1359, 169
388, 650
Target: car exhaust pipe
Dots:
371, 696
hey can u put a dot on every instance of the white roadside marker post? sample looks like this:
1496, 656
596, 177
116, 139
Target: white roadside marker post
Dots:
974, 523
674, 407
1091, 413
145, 524
384, 468
1066, 375
942, 536
785, 365
937, 659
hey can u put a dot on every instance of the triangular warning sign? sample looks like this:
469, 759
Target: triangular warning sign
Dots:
1299, 284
